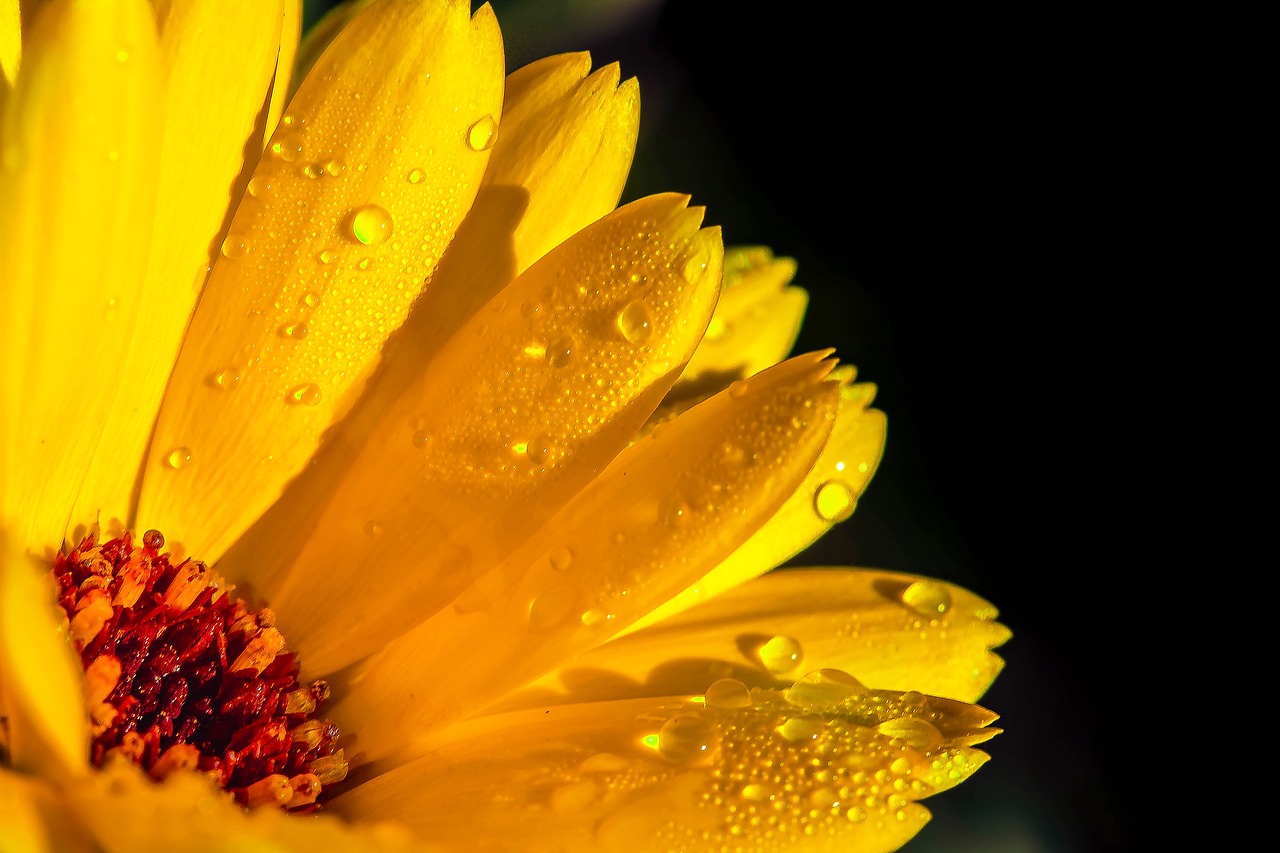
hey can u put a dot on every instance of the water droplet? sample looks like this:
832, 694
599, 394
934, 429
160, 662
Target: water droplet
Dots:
801, 729
833, 501
824, 686
635, 321
915, 732
297, 331
555, 606
311, 299
228, 379
538, 450
728, 693
306, 395
421, 439
365, 263
717, 330
781, 654
371, 224
313, 170
560, 559
594, 618
901, 766
927, 598
560, 352
259, 187
855, 814
328, 256
480, 136
234, 246
758, 793
696, 266
287, 145
738, 389
530, 309
416, 176
825, 797
674, 512
687, 739
334, 167
372, 529
178, 457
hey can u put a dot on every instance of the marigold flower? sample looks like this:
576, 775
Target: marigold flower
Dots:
508, 465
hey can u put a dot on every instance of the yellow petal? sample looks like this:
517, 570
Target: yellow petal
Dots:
524, 407
201, 152
559, 127
883, 627
322, 262
282, 86
664, 510
125, 812
10, 43
834, 770
322, 34
77, 187
827, 496
32, 819
756, 321
42, 679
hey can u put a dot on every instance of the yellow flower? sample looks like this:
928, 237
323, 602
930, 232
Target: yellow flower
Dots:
508, 464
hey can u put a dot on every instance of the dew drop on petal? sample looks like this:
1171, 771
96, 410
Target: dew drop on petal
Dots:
635, 322
824, 686
227, 379
178, 457
259, 187
915, 732
833, 501
335, 167
758, 793
421, 439
538, 450
595, 618
825, 797
727, 693
560, 559
371, 224
801, 729
553, 607
287, 146
328, 256
560, 352
480, 136
927, 598
234, 246
687, 739
297, 331
306, 395
674, 512
530, 309
416, 176
781, 654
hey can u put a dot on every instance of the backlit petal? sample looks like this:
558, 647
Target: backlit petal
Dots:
125, 812
41, 677
322, 262
201, 152
524, 406
834, 770
827, 496
76, 201
890, 630
664, 510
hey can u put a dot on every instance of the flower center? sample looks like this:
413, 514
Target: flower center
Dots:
178, 675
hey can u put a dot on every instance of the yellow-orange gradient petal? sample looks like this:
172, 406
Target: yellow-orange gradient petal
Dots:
283, 86
665, 509
32, 818
828, 766
125, 811
827, 496
40, 674
756, 321
76, 199
893, 631
338, 235
524, 406
200, 153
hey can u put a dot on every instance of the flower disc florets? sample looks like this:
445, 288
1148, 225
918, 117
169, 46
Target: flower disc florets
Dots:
180, 676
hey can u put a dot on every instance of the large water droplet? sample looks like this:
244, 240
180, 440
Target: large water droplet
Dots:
555, 606
311, 299
297, 331
727, 693
915, 732
635, 322
758, 793
538, 450
833, 501
560, 559
334, 167
260, 186
421, 439
687, 739
480, 136
560, 352
306, 395
371, 224
596, 618
802, 729
287, 146
178, 457
234, 246
824, 686
781, 654
227, 379
927, 598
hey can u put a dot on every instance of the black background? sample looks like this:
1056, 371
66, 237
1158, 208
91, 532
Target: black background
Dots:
936, 179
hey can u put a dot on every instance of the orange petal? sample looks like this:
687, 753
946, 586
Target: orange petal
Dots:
525, 406
664, 510
836, 769
885, 628
322, 262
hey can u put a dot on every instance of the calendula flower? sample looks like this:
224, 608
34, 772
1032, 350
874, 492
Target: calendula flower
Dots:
507, 465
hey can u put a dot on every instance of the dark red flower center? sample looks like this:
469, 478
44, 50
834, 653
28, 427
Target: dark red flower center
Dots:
178, 675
